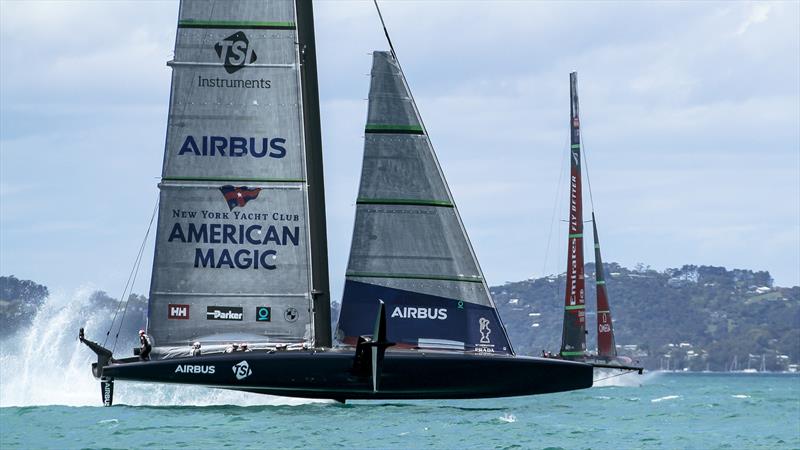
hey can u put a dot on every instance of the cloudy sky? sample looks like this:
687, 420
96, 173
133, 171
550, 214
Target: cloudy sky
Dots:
690, 114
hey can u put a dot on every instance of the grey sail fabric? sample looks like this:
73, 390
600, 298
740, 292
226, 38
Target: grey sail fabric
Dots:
408, 236
232, 259
407, 226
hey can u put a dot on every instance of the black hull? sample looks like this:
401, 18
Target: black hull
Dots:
330, 375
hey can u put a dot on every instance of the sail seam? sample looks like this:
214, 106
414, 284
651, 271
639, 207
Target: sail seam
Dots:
415, 277
248, 25
252, 180
403, 201
394, 129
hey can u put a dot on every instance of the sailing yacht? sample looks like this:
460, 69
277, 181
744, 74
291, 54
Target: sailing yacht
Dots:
573, 338
241, 251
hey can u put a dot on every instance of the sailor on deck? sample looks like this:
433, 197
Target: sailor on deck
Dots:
196, 349
144, 350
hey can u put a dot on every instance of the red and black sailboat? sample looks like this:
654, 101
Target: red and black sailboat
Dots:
573, 338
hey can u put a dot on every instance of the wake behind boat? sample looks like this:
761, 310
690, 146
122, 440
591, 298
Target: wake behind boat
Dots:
241, 251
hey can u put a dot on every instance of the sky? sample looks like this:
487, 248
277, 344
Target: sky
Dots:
690, 121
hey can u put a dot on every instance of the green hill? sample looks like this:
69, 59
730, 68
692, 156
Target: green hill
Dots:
695, 317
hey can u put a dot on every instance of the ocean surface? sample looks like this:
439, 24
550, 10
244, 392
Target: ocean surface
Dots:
48, 399
657, 410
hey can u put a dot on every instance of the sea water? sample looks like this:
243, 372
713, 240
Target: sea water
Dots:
48, 399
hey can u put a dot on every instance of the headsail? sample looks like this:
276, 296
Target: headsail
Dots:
234, 245
606, 347
410, 249
573, 339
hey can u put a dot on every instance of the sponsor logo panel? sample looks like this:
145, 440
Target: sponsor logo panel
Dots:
224, 313
411, 312
175, 311
195, 368
242, 370
291, 314
263, 314
235, 52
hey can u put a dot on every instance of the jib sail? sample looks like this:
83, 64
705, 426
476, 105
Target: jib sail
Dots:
235, 240
573, 339
606, 347
409, 247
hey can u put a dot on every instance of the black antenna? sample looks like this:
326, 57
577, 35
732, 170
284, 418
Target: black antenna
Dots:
385, 31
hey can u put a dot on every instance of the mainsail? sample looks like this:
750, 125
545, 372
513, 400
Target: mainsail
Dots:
409, 248
573, 340
240, 249
606, 347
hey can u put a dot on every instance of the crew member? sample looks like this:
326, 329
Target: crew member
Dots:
144, 350
196, 349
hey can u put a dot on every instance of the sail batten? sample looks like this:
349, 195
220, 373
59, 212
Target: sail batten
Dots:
409, 247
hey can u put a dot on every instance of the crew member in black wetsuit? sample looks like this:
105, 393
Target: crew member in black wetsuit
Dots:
144, 350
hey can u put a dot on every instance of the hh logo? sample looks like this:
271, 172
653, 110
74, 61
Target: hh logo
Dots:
178, 311
238, 196
235, 52
242, 370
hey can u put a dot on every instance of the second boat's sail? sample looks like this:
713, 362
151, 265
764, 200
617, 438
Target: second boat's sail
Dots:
606, 347
409, 247
573, 340
233, 247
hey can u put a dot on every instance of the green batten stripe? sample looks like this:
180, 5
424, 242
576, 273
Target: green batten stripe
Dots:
576, 145
579, 235
603, 312
596, 245
393, 129
573, 307
413, 277
240, 24
231, 180
571, 353
403, 201
600, 282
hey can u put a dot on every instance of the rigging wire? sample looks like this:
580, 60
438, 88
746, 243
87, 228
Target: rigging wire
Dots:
386, 32
586, 163
559, 188
131, 282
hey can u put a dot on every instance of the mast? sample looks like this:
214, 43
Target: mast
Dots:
606, 346
573, 339
321, 301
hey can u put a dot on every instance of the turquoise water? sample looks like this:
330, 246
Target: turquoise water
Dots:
697, 411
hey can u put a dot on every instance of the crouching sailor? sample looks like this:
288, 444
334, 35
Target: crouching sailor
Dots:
146, 346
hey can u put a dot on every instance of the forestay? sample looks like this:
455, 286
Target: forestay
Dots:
232, 260
409, 246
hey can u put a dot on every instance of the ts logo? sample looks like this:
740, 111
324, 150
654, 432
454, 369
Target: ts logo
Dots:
235, 52
242, 370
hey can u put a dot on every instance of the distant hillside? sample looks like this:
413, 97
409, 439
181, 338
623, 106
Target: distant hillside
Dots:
695, 317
